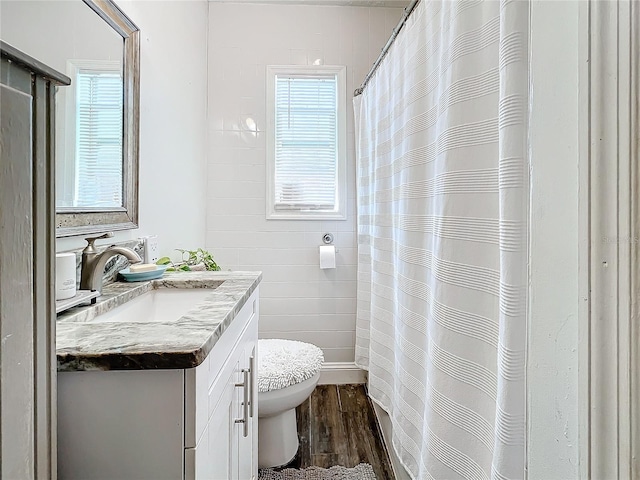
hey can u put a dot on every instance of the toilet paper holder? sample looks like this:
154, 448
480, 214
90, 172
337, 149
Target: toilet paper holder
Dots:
327, 238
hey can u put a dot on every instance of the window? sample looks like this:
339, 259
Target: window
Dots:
306, 142
99, 104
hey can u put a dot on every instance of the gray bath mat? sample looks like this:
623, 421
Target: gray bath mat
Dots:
364, 471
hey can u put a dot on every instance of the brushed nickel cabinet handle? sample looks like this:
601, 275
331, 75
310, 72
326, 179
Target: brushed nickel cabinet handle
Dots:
245, 404
252, 384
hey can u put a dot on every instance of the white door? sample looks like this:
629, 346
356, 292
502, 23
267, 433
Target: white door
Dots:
16, 304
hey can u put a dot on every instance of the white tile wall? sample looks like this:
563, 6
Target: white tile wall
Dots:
298, 300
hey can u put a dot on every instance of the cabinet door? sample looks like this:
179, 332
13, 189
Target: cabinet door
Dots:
222, 451
215, 456
247, 451
248, 446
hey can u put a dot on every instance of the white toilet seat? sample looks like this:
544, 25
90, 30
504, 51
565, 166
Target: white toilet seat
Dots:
283, 363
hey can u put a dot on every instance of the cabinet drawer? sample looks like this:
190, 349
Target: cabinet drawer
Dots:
204, 385
229, 339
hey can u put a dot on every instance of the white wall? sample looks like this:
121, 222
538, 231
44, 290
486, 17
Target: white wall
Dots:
552, 364
173, 92
298, 300
31, 26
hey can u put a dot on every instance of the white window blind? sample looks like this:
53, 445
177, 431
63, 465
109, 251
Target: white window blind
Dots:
99, 159
306, 142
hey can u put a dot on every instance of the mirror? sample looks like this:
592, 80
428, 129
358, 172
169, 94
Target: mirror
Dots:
97, 117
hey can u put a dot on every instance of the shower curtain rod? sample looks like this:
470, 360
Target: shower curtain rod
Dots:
394, 34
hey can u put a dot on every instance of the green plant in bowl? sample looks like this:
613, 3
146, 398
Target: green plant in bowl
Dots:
192, 260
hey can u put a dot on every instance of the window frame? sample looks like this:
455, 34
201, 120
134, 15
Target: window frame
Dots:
339, 212
68, 152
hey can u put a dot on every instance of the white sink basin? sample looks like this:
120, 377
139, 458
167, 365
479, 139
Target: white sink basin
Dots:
162, 305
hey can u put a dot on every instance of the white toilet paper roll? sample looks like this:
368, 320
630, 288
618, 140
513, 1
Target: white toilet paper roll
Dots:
327, 256
65, 275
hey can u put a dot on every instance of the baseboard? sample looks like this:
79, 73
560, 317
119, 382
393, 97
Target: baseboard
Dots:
384, 422
340, 373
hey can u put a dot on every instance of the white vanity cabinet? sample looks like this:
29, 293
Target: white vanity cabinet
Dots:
222, 415
188, 424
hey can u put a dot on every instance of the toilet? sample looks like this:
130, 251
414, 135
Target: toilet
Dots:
288, 371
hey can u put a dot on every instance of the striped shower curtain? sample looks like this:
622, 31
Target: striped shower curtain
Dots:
442, 232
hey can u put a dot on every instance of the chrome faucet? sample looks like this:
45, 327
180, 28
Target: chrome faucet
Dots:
93, 262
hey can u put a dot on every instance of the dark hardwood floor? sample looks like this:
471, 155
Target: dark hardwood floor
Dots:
337, 426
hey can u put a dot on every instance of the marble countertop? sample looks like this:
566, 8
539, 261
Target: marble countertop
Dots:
85, 343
